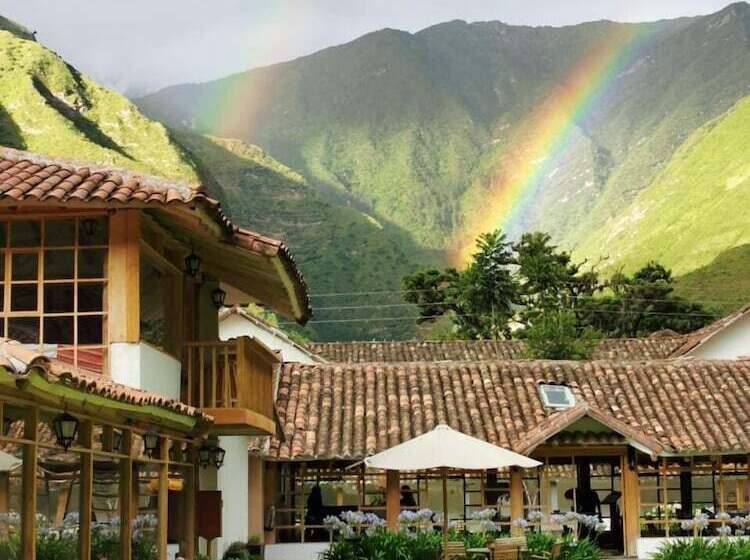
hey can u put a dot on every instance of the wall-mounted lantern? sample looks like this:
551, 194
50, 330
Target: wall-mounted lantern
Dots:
192, 264
116, 441
65, 428
218, 296
211, 454
150, 443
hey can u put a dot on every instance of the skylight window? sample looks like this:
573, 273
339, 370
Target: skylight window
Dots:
557, 396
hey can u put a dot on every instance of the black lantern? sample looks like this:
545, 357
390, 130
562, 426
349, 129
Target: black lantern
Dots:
192, 264
218, 296
211, 454
116, 441
218, 456
150, 442
89, 227
204, 455
65, 428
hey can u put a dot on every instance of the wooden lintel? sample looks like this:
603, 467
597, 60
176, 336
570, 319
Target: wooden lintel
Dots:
238, 421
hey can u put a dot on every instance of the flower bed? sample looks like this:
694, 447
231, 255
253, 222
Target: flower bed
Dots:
363, 536
699, 548
61, 543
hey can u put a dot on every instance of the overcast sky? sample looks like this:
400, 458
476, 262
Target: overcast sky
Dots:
142, 45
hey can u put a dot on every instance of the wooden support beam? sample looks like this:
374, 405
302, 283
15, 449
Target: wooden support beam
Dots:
190, 493
28, 486
162, 507
392, 499
269, 489
86, 490
123, 280
255, 496
126, 497
516, 500
631, 499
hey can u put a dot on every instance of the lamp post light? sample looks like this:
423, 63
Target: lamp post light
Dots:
150, 442
218, 296
192, 264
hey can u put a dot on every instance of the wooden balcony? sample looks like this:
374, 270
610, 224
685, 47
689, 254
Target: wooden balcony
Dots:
233, 382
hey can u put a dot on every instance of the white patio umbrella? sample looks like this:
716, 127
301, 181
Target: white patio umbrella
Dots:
445, 448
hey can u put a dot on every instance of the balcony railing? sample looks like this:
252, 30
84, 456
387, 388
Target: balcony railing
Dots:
233, 381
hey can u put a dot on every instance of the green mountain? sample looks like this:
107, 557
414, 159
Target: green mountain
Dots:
696, 206
339, 250
47, 106
410, 127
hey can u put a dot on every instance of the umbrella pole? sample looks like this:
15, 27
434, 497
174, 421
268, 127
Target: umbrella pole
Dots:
445, 513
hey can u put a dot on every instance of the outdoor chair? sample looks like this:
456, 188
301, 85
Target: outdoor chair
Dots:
509, 548
455, 549
552, 554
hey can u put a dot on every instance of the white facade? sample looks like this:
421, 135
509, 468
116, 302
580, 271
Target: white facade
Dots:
235, 322
731, 342
145, 367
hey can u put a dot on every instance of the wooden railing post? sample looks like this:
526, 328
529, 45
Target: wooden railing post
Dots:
162, 506
85, 500
126, 496
28, 486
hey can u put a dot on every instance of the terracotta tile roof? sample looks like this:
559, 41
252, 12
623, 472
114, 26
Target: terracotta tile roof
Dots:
352, 410
696, 338
27, 177
21, 361
651, 348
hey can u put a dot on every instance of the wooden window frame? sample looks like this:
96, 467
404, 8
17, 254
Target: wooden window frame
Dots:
8, 251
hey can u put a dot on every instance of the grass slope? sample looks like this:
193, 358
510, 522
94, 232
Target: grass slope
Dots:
337, 249
695, 209
47, 106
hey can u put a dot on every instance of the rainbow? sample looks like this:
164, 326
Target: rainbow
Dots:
541, 138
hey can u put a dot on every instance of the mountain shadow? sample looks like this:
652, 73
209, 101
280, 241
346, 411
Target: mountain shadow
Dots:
722, 284
10, 133
86, 126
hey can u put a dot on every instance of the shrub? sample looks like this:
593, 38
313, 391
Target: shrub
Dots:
701, 549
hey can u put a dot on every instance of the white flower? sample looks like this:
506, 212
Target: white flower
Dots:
535, 516
520, 522
600, 527
724, 530
723, 516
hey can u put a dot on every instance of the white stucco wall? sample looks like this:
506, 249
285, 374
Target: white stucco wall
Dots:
142, 366
234, 326
232, 480
294, 551
730, 343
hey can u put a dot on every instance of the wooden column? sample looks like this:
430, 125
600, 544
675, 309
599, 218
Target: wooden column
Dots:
631, 499
123, 281
86, 485
126, 496
270, 487
392, 499
255, 498
162, 508
190, 493
28, 487
516, 500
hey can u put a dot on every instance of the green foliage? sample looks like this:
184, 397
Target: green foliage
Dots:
583, 549
534, 284
556, 335
702, 549
236, 551
386, 545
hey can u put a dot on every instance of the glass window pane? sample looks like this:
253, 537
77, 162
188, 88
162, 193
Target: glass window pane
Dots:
23, 297
24, 266
91, 296
58, 330
25, 233
2, 266
59, 233
90, 329
58, 298
24, 329
91, 263
3, 234
58, 265
92, 231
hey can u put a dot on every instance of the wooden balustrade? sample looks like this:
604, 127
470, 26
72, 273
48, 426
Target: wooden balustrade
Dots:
235, 374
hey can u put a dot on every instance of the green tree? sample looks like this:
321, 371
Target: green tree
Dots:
557, 335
